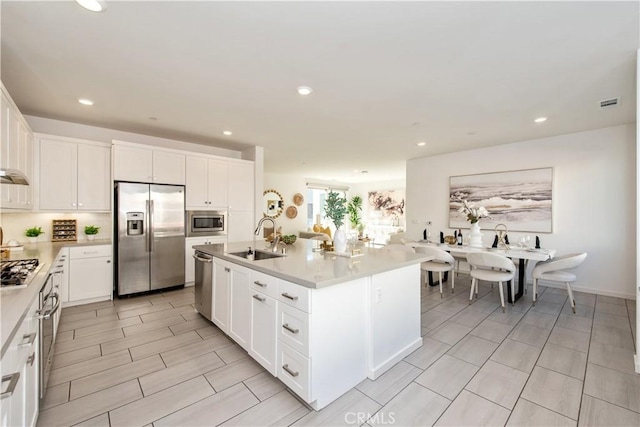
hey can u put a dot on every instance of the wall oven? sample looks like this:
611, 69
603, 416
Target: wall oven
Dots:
206, 223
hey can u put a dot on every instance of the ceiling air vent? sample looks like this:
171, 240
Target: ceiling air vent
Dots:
613, 102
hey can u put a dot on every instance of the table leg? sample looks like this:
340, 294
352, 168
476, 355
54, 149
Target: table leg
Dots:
521, 277
444, 279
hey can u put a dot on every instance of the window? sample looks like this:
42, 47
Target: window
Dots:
316, 197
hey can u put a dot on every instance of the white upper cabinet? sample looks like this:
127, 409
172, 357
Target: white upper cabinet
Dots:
142, 164
214, 183
74, 174
241, 186
16, 152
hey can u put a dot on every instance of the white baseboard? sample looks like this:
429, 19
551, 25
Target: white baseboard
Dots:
588, 290
375, 372
636, 358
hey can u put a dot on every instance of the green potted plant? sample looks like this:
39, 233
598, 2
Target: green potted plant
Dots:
33, 233
354, 208
335, 209
91, 231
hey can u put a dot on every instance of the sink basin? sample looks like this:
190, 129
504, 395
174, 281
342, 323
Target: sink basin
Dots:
258, 255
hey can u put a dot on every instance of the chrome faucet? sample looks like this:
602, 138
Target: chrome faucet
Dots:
273, 246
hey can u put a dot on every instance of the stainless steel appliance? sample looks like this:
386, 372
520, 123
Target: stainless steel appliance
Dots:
18, 273
203, 283
206, 223
149, 237
49, 306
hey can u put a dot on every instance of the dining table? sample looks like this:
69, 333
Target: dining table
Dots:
523, 254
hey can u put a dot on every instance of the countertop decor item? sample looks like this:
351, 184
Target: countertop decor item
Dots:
33, 233
354, 208
292, 212
335, 209
91, 231
298, 199
289, 239
64, 230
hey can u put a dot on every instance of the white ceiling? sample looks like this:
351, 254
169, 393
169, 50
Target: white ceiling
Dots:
385, 75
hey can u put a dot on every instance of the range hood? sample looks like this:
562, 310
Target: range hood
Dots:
13, 176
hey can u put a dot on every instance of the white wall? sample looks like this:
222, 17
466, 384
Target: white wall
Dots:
288, 186
93, 133
14, 224
594, 198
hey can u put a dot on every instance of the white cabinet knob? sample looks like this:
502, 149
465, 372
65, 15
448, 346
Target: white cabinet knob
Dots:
79, 204
73, 204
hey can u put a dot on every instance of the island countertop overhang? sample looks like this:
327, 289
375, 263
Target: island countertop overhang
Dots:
315, 270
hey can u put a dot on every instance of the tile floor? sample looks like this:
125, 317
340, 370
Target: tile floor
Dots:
153, 360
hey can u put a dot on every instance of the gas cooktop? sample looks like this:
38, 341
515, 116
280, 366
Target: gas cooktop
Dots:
17, 274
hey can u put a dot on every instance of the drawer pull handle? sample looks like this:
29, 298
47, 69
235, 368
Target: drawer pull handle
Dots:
259, 283
291, 297
289, 371
259, 298
90, 252
13, 382
31, 359
30, 338
290, 329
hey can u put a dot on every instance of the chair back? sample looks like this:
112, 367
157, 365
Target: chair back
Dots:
398, 247
438, 254
486, 260
564, 262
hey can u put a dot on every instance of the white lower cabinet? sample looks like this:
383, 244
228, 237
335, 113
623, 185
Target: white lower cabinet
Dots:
19, 368
263, 330
220, 308
90, 273
240, 316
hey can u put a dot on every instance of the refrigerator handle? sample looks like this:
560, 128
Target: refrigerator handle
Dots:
151, 236
146, 226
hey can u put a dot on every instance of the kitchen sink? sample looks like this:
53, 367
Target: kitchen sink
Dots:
258, 255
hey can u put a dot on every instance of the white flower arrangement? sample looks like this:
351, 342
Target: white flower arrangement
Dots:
473, 213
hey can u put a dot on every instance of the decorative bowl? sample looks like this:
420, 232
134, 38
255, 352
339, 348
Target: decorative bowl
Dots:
289, 239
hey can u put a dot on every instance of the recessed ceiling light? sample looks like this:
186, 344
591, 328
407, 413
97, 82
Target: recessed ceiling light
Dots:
304, 90
540, 119
92, 5
227, 132
85, 101
421, 144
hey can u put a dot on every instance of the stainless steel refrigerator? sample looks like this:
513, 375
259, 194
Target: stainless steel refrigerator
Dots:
150, 237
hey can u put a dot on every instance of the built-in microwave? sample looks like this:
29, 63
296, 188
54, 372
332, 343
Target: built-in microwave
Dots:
206, 223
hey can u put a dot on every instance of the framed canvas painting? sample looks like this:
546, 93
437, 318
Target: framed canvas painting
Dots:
522, 200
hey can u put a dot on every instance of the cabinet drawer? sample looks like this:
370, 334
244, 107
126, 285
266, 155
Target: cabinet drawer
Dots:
295, 295
293, 328
293, 370
90, 251
264, 283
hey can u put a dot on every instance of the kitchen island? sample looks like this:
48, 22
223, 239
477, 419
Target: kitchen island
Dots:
319, 322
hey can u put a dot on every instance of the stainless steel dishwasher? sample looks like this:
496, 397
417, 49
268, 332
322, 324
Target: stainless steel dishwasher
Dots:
204, 283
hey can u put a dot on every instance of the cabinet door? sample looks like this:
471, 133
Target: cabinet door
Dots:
94, 178
58, 175
168, 168
220, 306
241, 226
62, 264
132, 164
241, 179
13, 128
263, 330
189, 262
218, 184
196, 180
26, 165
240, 323
90, 278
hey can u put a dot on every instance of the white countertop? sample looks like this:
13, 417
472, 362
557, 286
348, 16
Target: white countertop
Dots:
315, 269
15, 302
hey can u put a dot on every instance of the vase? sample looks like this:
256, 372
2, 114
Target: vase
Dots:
475, 237
32, 239
91, 237
340, 241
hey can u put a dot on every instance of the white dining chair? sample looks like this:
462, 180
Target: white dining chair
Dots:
492, 268
555, 270
442, 262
